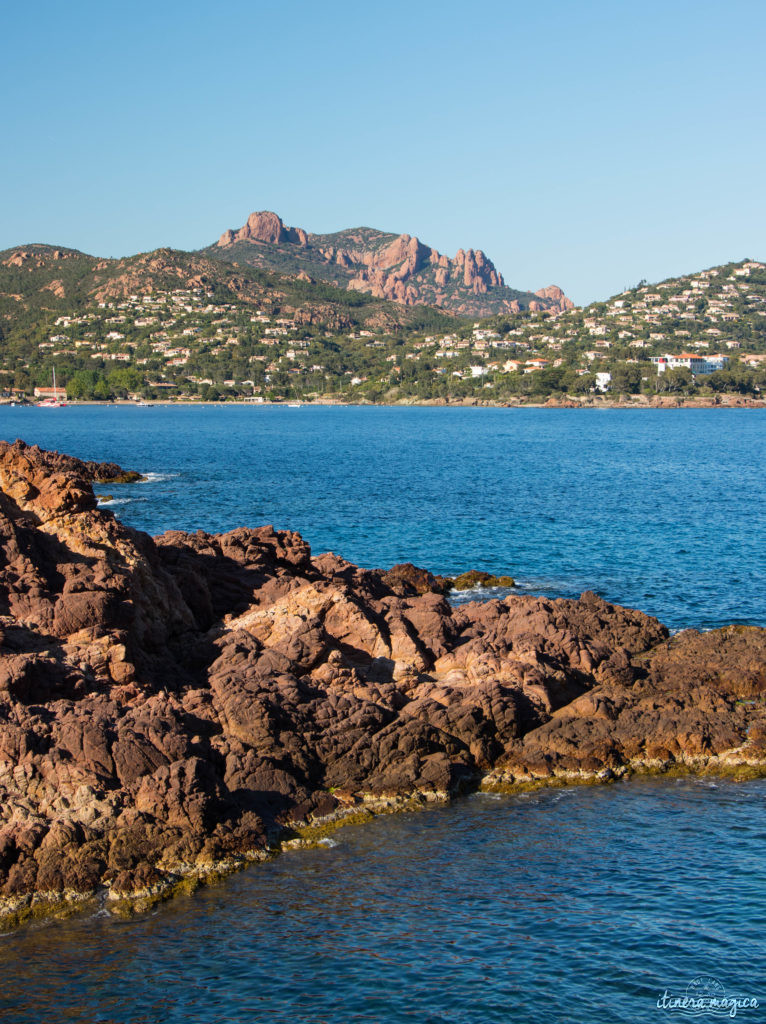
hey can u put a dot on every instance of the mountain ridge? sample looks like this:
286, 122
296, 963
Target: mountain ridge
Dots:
183, 324
400, 268
68, 276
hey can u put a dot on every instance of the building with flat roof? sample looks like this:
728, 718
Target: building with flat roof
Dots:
691, 361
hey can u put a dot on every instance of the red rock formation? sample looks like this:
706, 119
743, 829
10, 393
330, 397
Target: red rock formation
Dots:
478, 271
264, 227
174, 706
38, 256
558, 299
389, 272
403, 269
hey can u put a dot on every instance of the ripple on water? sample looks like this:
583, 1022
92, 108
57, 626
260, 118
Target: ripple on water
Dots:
577, 905
564, 500
572, 905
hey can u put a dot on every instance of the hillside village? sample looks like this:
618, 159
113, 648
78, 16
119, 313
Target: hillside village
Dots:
700, 334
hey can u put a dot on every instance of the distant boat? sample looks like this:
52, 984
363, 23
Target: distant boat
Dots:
53, 402
293, 405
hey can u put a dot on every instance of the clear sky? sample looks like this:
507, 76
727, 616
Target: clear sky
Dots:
586, 143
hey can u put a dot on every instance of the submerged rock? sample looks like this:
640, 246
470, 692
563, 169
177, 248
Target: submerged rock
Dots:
171, 707
476, 579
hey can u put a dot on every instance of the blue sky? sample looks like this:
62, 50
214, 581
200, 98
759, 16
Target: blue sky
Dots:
586, 144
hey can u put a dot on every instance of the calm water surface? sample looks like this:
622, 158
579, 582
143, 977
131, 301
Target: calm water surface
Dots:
581, 905
660, 510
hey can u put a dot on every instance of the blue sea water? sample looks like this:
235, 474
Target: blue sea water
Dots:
578, 906
661, 510
582, 905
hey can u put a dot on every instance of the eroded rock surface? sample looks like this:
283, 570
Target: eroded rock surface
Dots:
172, 704
389, 266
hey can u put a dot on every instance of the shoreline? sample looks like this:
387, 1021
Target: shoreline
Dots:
174, 708
727, 402
38, 907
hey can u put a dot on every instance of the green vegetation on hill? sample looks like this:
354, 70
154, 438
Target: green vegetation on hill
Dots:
398, 267
287, 261
181, 325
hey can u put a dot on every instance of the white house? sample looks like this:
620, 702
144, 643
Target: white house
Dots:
691, 361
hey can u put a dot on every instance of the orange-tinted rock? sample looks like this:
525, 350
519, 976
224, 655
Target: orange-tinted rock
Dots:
400, 267
558, 299
183, 700
264, 227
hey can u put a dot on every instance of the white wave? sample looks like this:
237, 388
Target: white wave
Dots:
158, 478
328, 843
480, 594
113, 501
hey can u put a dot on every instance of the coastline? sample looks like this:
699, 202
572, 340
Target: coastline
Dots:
175, 708
726, 402
185, 878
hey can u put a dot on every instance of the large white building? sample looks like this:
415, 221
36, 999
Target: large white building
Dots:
691, 361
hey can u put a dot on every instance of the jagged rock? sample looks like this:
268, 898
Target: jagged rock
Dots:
407, 580
396, 267
169, 706
264, 227
555, 295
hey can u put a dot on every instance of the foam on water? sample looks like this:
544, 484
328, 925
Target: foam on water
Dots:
157, 478
458, 597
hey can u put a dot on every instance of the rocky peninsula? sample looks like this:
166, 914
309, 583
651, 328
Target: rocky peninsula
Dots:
174, 707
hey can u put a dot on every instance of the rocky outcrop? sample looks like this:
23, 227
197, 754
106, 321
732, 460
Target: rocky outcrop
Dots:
37, 256
176, 706
264, 227
555, 295
407, 580
698, 701
478, 271
396, 267
31, 461
475, 578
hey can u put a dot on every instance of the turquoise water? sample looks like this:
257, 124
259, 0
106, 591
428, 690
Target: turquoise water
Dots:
660, 510
579, 905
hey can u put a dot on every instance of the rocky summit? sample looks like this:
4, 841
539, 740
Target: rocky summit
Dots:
389, 266
173, 707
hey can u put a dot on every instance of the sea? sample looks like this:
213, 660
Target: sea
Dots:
583, 905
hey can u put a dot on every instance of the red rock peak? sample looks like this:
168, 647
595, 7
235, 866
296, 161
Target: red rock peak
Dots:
264, 226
